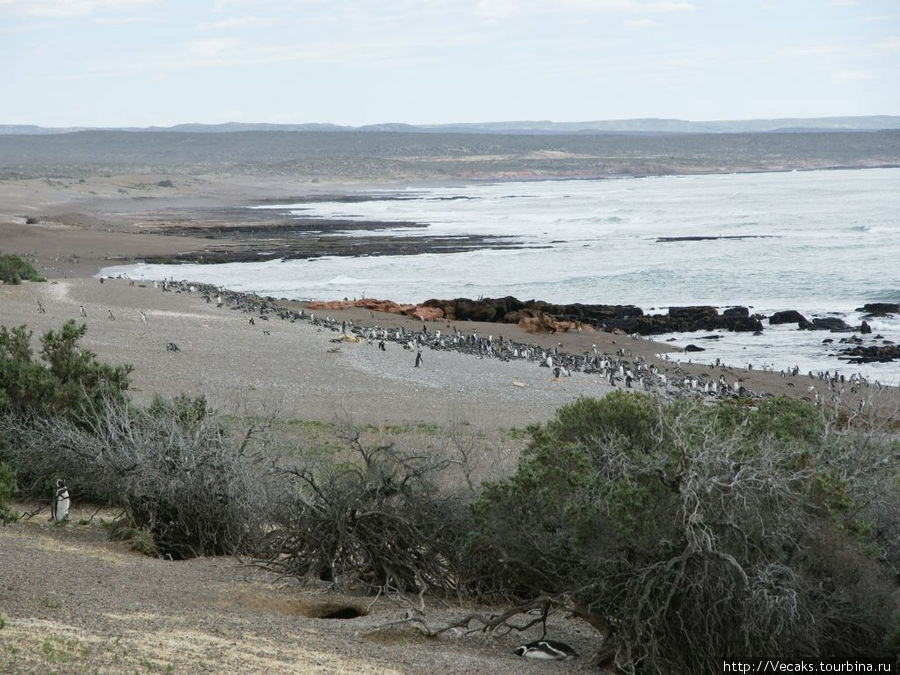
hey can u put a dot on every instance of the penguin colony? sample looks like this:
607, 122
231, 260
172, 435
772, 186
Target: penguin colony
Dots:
619, 369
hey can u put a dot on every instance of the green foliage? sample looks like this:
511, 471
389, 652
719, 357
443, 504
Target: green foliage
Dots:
189, 412
786, 420
7, 488
696, 530
138, 539
830, 489
13, 270
626, 419
892, 639
68, 379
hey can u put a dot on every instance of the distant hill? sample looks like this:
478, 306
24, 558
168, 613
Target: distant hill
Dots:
648, 126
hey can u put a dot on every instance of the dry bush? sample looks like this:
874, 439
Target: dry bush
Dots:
374, 514
174, 468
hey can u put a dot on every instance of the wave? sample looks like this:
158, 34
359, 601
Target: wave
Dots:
340, 279
884, 295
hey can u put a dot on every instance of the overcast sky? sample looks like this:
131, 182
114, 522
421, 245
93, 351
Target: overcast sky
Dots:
162, 62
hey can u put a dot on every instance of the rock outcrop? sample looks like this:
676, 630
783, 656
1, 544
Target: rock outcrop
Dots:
871, 354
879, 308
688, 319
787, 316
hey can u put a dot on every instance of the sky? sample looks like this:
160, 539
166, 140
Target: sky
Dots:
164, 62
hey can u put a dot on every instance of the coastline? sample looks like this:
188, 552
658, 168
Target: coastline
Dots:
82, 227
303, 369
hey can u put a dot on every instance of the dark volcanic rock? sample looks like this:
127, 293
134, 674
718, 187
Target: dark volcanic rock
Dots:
831, 323
787, 316
865, 328
693, 313
511, 310
686, 319
743, 323
625, 318
694, 348
880, 308
873, 354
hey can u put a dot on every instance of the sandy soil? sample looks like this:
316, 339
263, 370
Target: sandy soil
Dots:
72, 602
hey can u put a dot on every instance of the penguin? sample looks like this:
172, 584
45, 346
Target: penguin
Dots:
59, 507
83, 312
418, 358
549, 650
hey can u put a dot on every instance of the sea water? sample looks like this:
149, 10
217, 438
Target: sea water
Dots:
821, 242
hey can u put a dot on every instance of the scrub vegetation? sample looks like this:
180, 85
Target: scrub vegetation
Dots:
685, 533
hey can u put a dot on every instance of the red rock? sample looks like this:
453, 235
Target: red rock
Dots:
427, 313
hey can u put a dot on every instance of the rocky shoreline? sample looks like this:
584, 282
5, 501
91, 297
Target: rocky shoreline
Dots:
536, 316
618, 368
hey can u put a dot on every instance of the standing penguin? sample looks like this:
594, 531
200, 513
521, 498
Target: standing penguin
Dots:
418, 358
59, 508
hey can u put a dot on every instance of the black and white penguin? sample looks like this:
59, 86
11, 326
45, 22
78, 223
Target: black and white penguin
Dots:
418, 358
59, 507
549, 650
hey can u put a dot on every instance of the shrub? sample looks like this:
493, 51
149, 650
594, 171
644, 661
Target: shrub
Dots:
194, 487
696, 533
7, 489
376, 515
13, 270
68, 379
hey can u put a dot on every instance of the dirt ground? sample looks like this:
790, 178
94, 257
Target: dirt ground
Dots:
71, 601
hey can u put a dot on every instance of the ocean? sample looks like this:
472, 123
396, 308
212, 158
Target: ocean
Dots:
820, 242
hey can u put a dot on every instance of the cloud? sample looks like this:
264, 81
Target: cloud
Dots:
58, 9
117, 20
640, 23
890, 43
214, 48
217, 52
493, 10
853, 76
811, 51
501, 9
843, 3
237, 22
630, 6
